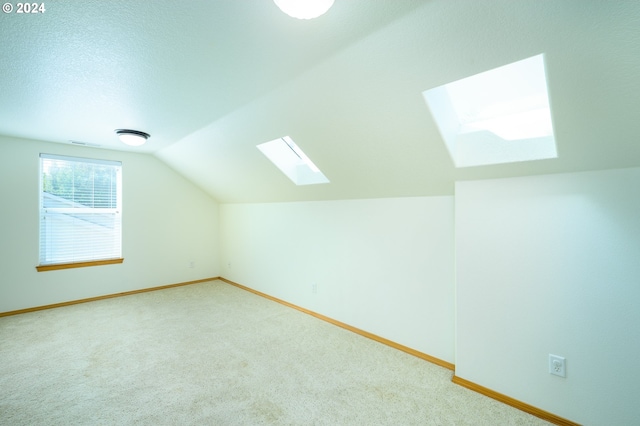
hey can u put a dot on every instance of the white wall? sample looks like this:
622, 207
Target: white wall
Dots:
384, 265
543, 264
167, 223
551, 264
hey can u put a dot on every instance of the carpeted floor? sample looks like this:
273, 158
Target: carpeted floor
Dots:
213, 354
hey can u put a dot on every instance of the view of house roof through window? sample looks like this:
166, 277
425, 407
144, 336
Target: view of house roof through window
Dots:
290, 159
498, 116
80, 210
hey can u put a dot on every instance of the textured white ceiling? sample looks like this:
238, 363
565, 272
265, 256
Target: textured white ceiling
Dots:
209, 80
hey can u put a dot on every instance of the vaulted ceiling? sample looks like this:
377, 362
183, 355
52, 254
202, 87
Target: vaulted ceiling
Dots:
210, 80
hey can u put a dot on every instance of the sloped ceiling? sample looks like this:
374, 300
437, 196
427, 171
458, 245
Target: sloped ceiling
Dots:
209, 80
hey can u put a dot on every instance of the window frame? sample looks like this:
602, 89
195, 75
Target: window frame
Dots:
104, 259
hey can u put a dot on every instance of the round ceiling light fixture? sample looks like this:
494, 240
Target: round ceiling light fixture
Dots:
304, 9
132, 137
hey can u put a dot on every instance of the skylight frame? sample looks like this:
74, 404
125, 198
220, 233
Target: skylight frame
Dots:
287, 156
499, 116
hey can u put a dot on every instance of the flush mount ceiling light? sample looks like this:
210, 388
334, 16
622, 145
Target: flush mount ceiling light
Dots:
304, 9
132, 137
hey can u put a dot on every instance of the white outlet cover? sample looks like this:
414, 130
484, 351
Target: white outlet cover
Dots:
557, 365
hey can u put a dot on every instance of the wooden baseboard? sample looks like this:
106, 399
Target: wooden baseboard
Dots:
366, 334
108, 296
552, 418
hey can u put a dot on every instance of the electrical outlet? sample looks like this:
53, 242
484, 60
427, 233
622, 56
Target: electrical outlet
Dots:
192, 264
557, 365
314, 288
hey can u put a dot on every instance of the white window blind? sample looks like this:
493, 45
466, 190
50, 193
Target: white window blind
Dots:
80, 209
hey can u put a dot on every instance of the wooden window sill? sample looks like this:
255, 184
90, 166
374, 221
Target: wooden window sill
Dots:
43, 268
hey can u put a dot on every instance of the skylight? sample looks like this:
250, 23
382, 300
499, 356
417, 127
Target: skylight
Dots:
290, 159
498, 116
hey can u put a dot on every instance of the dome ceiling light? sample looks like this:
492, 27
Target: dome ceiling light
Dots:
304, 9
132, 137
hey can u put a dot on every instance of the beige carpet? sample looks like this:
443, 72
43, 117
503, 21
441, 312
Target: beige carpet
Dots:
213, 354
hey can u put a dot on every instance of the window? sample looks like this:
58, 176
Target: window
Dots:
498, 116
290, 159
80, 212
